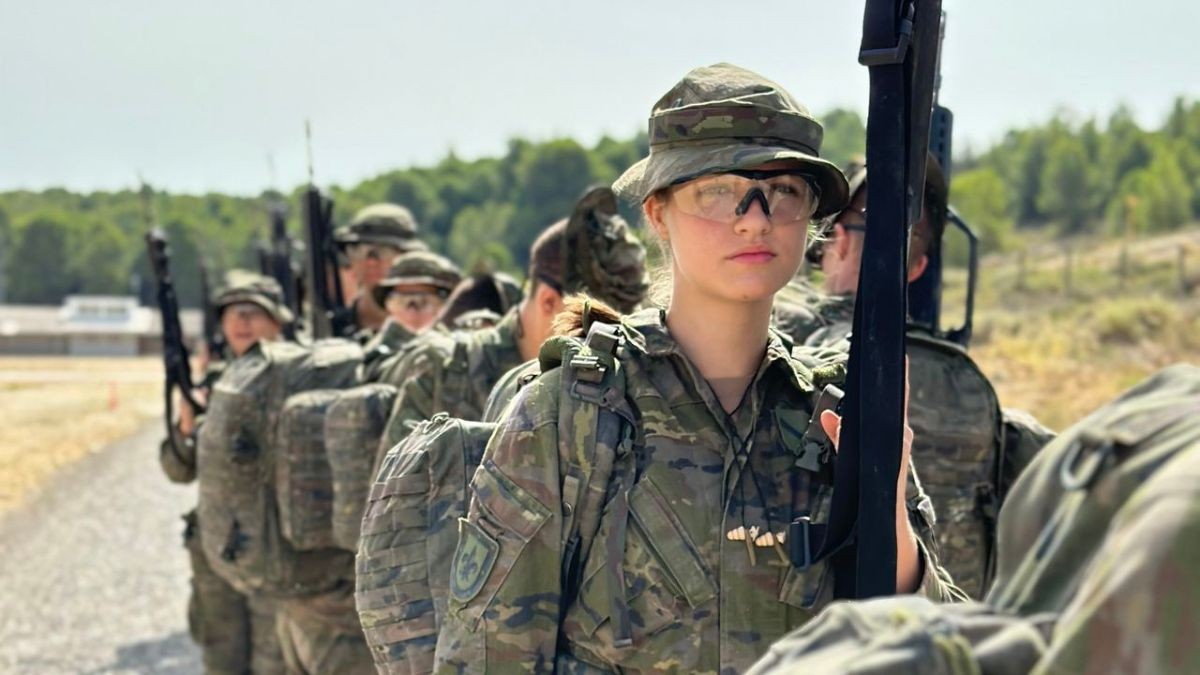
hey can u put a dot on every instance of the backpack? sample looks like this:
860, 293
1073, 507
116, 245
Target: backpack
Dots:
1058, 512
353, 426
247, 519
909, 634
959, 448
422, 489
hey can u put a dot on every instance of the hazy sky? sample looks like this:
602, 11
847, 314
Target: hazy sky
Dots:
196, 95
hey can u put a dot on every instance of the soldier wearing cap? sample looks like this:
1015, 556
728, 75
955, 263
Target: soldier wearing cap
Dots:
235, 632
413, 293
591, 252
370, 242
480, 301
970, 450
681, 565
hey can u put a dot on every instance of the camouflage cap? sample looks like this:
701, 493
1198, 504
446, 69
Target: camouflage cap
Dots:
246, 286
724, 118
491, 292
388, 224
936, 196
419, 268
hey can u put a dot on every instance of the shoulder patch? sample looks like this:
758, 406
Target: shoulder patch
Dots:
473, 561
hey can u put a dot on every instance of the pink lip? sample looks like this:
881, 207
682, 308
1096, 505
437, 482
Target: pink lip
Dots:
753, 256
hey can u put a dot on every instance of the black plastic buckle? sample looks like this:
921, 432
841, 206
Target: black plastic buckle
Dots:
890, 56
800, 540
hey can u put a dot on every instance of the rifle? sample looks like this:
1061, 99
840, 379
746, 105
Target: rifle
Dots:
175, 354
925, 294
280, 263
900, 49
329, 315
214, 339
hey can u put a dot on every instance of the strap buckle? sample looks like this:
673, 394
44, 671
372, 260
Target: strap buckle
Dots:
890, 56
800, 541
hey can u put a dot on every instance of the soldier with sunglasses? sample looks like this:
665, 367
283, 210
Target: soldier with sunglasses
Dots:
370, 242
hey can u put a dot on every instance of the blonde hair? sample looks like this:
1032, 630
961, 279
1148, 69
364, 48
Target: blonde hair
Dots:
578, 314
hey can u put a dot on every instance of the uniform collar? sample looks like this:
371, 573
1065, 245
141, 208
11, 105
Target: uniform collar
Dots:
646, 332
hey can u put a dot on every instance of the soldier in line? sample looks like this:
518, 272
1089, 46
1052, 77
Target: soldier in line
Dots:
969, 450
656, 542
370, 242
592, 251
414, 292
235, 632
480, 301
1099, 547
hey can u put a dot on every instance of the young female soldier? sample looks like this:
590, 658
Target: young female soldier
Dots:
680, 568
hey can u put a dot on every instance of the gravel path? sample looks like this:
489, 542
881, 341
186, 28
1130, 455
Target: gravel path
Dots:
93, 575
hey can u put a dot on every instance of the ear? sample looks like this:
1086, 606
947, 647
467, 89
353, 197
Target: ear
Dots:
917, 268
841, 241
548, 300
653, 208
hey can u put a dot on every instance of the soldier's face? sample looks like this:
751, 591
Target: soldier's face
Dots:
747, 260
370, 262
244, 324
414, 307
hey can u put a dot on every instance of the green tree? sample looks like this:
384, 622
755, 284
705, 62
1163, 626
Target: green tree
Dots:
551, 178
39, 272
1068, 187
845, 136
98, 259
476, 237
6, 246
983, 200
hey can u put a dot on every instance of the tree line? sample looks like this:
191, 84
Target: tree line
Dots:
1066, 176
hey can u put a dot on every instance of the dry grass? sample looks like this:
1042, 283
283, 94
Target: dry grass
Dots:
55, 410
1061, 356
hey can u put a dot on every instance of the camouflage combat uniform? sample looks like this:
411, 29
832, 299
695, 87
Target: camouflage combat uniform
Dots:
667, 585
235, 631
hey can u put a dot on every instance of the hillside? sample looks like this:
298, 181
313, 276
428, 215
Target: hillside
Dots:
1061, 354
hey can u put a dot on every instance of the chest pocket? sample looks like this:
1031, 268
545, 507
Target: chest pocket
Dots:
660, 566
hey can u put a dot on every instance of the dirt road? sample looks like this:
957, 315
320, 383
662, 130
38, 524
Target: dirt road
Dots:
93, 578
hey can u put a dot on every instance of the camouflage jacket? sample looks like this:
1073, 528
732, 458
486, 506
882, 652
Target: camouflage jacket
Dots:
451, 373
801, 311
383, 351
666, 582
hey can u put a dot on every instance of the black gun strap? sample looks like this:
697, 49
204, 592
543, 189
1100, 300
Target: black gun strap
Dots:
860, 537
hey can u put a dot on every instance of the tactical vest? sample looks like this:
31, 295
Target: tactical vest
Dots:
958, 447
251, 472
422, 490
353, 427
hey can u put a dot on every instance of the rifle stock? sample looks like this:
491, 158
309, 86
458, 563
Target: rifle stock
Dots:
280, 264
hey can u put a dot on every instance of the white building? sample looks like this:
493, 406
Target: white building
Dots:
89, 325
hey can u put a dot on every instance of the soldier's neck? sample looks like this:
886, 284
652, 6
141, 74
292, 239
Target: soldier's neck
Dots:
723, 340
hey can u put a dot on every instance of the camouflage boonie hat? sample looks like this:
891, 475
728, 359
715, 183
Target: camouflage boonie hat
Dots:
419, 268
387, 224
263, 291
936, 195
725, 118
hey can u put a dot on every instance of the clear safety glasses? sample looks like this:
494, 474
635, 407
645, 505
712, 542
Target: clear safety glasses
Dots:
785, 196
